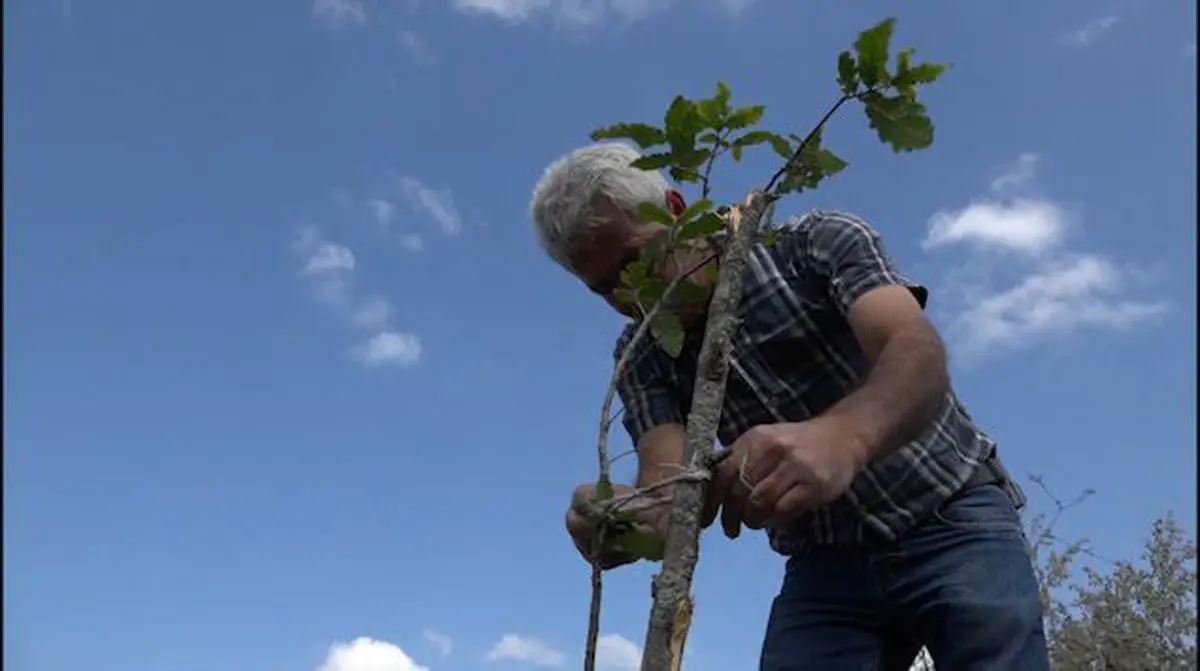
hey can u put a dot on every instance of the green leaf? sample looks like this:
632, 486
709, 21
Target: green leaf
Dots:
634, 275
604, 490
625, 296
827, 162
691, 159
652, 290
745, 116
723, 93
689, 293
872, 48
814, 165
847, 76
712, 111
644, 135
899, 121
757, 137
681, 174
909, 76
781, 146
709, 223
649, 212
652, 161
927, 73
681, 124
696, 209
668, 331
641, 545
655, 250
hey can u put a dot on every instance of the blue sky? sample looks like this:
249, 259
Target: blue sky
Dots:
289, 385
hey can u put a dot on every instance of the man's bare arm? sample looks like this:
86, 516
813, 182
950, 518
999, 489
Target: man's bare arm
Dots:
659, 453
908, 376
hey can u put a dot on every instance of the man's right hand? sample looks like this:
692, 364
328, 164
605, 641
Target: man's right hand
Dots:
582, 524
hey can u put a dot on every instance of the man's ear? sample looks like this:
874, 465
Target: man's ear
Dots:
675, 202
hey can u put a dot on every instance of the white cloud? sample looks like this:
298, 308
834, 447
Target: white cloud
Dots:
326, 265
1057, 291
389, 348
512, 647
508, 10
329, 267
367, 654
1030, 226
340, 13
1058, 299
617, 653
1091, 32
578, 13
437, 204
439, 641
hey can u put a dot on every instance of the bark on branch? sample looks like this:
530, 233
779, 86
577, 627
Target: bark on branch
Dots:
671, 614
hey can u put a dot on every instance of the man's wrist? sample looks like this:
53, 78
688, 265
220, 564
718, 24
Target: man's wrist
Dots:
860, 444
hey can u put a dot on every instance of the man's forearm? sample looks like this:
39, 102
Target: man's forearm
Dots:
659, 453
901, 394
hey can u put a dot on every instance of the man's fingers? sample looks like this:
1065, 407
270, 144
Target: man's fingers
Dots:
799, 498
731, 518
718, 489
761, 503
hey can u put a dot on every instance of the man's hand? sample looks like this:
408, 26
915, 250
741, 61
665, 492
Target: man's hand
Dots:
650, 516
778, 471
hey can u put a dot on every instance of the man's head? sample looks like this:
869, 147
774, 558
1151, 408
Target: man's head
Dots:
584, 211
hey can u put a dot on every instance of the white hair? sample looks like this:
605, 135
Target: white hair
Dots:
563, 198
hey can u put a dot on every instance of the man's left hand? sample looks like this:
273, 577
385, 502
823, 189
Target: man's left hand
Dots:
778, 471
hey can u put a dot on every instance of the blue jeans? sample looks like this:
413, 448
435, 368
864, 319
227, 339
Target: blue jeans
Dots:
961, 583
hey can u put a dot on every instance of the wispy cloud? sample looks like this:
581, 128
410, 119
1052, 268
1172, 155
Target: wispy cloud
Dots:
329, 267
340, 13
437, 204
527, 649
1057, 291
417, 47
1017, 174
577, 14
383, 212
438, 641
367, 654
1091, 32
389, 348
1188, 51
1059, 298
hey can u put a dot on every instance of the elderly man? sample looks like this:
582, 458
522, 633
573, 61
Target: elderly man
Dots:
899, 524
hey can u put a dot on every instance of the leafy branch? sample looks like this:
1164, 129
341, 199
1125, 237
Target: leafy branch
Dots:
695, 134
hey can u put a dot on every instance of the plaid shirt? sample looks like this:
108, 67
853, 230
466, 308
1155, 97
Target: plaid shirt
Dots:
794, 356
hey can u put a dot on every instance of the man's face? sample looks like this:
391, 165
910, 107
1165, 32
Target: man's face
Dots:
617, 241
